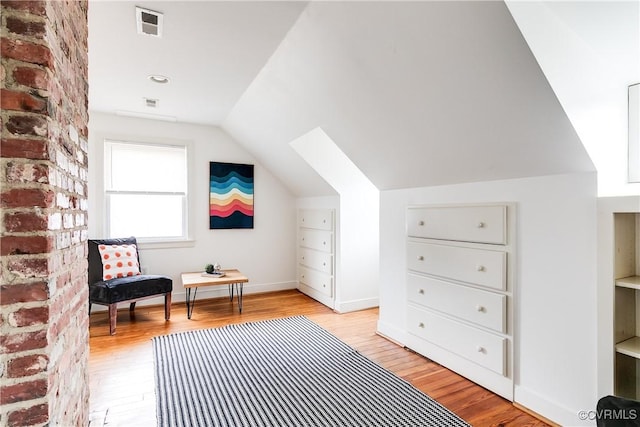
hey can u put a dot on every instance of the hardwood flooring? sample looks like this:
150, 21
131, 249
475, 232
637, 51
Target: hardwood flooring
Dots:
121, 366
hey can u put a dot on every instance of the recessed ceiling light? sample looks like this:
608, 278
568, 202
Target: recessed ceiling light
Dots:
157, 78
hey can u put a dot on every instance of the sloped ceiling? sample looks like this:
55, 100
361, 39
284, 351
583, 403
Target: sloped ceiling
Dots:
415, 93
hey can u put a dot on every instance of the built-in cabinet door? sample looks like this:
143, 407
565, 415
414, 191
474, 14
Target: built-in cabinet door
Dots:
482, 224
483, 348
319, 240
483, 308
321, 219
317, 280
477, 266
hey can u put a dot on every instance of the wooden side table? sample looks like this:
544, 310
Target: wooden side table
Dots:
233, 278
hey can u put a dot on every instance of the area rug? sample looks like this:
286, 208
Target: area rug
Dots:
281, 372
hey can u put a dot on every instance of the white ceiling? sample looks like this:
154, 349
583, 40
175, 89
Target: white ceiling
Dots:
415, 93
211, 51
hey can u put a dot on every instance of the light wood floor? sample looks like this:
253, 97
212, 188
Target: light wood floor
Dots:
121, 366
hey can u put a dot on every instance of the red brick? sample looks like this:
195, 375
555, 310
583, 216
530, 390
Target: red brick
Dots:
29, 316
22, 101
26, 221
28, 390
25, 245
27, 198
27, 365
28, 267
32, 6
26, 51
23, 292
27, 172
22, 342
31, 125
35, 29
37, 78
35, 415
35, 149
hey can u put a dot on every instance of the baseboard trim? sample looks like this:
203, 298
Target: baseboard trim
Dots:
555, 413
208, 292
356, 305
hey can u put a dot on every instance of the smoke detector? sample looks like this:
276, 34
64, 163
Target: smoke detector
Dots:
149, 22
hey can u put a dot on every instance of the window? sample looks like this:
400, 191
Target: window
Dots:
146, 191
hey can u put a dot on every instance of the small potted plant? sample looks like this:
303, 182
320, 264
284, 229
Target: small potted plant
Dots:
209, 268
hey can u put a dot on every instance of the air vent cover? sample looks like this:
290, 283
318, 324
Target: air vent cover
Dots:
149, 22
150, 102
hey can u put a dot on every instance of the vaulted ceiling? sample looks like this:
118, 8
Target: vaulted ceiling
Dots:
414, 93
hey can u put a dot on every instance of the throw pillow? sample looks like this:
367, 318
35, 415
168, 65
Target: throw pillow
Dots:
119, 261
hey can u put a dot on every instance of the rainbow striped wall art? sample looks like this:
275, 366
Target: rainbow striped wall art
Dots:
230, 195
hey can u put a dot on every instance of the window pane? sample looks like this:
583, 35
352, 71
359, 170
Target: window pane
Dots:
146, 215
141, 167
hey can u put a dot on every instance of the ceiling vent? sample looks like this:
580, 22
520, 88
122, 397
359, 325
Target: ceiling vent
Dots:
151, 103
149, 22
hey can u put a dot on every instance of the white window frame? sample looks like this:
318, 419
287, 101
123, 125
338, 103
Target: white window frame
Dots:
159, 241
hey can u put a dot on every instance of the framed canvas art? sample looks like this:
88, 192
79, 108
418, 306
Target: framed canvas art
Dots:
230, 195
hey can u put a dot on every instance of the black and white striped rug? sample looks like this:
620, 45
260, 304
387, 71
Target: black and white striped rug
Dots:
282, 372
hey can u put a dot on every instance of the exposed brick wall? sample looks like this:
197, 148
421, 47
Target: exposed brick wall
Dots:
43, 201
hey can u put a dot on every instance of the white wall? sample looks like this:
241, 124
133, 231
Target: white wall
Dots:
266, 253
555, 291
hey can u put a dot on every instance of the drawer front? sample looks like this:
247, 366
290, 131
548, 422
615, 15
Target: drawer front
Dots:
316, 239
483, 348
321, 219
321, 282
483, 224
321, 261
474, 305
477, 266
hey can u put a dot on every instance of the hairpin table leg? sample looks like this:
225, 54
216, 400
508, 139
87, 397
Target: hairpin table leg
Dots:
191, 301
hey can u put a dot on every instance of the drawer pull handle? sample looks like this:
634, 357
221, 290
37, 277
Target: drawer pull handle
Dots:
480, 349
303, 239
420, 258
481, 224
420, 325
302, 257
480, 268
421, 222
324, 264
480, 308
324, 243
421, 291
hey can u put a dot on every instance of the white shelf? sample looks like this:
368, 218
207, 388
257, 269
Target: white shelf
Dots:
630, 347
632, 282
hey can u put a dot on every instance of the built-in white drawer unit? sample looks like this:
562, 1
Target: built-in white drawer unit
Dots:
316, 256
321, 282
482, 224
321, 261
477, 266
484, 308
483, 348
460, 290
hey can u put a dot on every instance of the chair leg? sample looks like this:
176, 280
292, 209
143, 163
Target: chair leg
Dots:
89, 308
113, 316
167, 306
132, 306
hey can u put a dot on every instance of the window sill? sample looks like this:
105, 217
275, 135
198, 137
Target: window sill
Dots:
165, 244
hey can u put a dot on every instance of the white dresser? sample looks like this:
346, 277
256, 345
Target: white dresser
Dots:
316, 236
460, 272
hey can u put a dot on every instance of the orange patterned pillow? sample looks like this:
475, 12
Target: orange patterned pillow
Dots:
119, 261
